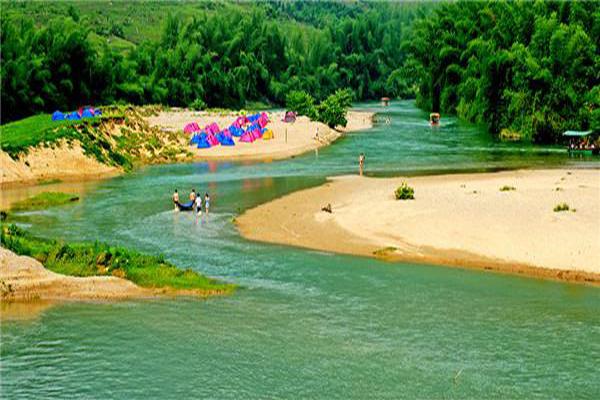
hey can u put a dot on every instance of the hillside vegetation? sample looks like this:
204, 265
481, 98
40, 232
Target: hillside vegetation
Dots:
60, 56
528, 68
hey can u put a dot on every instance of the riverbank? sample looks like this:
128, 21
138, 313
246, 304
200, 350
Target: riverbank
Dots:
457, 220
130, 136
289, 139
84, 271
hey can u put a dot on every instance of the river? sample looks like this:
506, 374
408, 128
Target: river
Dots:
305, 324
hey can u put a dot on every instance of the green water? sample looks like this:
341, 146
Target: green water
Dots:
305, 324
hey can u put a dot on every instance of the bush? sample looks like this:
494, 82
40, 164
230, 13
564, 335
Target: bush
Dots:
302, 103
404, 192
332, 111
198, 105
561, 207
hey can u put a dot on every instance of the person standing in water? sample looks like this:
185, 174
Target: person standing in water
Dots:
176, 200
193, 196
199, 205
361, 163
206, 202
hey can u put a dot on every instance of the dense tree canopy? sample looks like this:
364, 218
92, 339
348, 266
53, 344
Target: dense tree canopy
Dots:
221, 55
529, 67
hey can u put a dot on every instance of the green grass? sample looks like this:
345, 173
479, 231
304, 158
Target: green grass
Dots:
18, 136
561, 207
44, 200
100, 259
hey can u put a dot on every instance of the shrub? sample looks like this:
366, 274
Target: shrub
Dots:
302, 103
506, 188
561, 207
332, 110
198, 105
404, 192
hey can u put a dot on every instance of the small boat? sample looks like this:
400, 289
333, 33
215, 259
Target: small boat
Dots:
189, 206
434, 119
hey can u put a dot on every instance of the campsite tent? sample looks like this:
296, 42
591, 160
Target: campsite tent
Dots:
58, 116
236, 131
224, 139
191, 127
87, 114
247, 137
290, 116
268, 135
74, 116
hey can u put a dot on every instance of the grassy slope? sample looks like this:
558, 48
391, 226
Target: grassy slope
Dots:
100, 259
29, 132
44, 200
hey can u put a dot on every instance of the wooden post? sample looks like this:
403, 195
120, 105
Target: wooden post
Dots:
286, 134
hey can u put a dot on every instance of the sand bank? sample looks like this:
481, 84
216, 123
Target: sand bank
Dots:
25, 279
458, 220
62, 161
299, 139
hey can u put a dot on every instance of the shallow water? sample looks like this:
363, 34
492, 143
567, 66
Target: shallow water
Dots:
305, 324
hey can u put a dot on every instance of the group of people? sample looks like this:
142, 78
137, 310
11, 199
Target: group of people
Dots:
582, 144
196, 201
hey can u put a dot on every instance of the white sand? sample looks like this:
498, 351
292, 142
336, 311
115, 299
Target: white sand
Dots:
299, 139
455, 219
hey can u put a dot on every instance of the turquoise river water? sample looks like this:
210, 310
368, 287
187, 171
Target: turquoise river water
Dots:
305, 324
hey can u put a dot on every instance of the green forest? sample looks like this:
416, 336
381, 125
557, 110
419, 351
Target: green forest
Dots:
528, 67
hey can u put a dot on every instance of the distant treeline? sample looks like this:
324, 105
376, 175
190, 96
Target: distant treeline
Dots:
220, 56
528, 67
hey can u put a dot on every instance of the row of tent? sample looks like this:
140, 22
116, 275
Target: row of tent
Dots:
88, 112
246, 128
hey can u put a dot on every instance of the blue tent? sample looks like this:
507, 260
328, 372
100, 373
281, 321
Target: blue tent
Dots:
87, 114
58, 116
203, 144
225, 140
203, 141
98, 113
73, 116
235, 131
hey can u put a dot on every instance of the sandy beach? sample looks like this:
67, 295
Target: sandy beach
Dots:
456, 220
300, 136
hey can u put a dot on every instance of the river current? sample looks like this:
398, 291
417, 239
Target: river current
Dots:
305, 324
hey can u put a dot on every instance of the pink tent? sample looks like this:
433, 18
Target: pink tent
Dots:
191, 127
241, 120
256, 134
247, 137
210, 138
226, 132
212, 128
